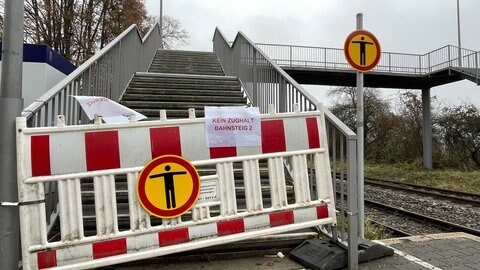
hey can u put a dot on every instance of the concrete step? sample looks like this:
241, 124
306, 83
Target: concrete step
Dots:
146, 100
182, 78
185, 85
143, 105
152, 93
187, 71
186, 62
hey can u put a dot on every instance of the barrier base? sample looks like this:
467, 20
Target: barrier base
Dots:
325, 255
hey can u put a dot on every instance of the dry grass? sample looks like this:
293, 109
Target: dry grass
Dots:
416, 174
374, 232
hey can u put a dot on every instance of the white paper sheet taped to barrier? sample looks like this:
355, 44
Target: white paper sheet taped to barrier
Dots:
111, 111
232, 126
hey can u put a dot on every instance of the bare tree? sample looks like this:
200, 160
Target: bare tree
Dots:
459, 128
1, 18
345, 104
173, 34
78, 28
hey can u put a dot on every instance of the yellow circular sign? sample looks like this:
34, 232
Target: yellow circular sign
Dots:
362, 50
168, 186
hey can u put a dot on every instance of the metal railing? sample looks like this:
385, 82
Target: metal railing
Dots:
334, 59
266, 83
107, 74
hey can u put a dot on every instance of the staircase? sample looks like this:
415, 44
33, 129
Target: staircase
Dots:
180, 80
471, 74
200, 84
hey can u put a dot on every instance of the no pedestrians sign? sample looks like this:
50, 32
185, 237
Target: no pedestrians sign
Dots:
362, 50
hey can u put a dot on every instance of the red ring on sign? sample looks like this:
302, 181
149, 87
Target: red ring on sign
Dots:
350, 60
142, 179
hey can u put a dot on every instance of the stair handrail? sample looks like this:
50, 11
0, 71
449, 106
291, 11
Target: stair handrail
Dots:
312, 101
104, 74
268, 84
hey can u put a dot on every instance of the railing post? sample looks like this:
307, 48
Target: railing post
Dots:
282, 96
420, 64
449, 57
325, 56
476, 65
352, 196
429, 66
389, 62
291, 56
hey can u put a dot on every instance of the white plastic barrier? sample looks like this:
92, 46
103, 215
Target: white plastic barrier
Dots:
70, 155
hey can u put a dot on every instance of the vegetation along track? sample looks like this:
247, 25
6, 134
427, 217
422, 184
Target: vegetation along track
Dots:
437, 208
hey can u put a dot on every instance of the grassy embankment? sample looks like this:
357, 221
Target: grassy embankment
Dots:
416, 174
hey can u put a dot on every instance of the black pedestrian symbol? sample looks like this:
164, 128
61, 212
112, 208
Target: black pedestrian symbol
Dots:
363, 50
169, 185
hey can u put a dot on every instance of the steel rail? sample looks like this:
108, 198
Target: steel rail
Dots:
440, 193
434, 221
394, 231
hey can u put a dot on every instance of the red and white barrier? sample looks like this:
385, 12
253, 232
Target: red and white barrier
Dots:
68, 154
60, 151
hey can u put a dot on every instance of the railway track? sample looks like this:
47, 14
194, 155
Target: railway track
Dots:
423, 209
446, 194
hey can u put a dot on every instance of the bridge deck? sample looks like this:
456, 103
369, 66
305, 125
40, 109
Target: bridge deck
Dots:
319, 76
327, 66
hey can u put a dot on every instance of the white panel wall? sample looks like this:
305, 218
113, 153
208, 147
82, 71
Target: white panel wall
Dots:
37, 78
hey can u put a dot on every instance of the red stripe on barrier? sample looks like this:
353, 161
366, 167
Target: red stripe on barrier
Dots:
47, 259
221, 152
230, 227
322, 211
102, 150
109, 248
281, 218
312, 130
173, 237
273, 136
40, 153
165, 141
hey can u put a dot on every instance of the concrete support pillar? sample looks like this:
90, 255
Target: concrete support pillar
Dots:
427, 129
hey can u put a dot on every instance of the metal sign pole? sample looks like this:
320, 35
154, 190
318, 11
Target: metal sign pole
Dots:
360, 143
11, 105
160, 21
459, 43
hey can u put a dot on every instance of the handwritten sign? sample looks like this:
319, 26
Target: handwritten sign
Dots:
232, 126
111, 111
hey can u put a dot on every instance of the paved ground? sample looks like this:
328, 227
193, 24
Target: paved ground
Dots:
453, 251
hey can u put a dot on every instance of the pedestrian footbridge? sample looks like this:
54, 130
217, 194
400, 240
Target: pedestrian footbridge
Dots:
82, 175
327, 66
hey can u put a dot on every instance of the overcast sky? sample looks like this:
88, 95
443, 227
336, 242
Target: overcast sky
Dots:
406, 26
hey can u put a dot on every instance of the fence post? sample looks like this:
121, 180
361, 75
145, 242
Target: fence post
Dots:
291, 56
353, 217
254, 78
476, 65
282, 95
